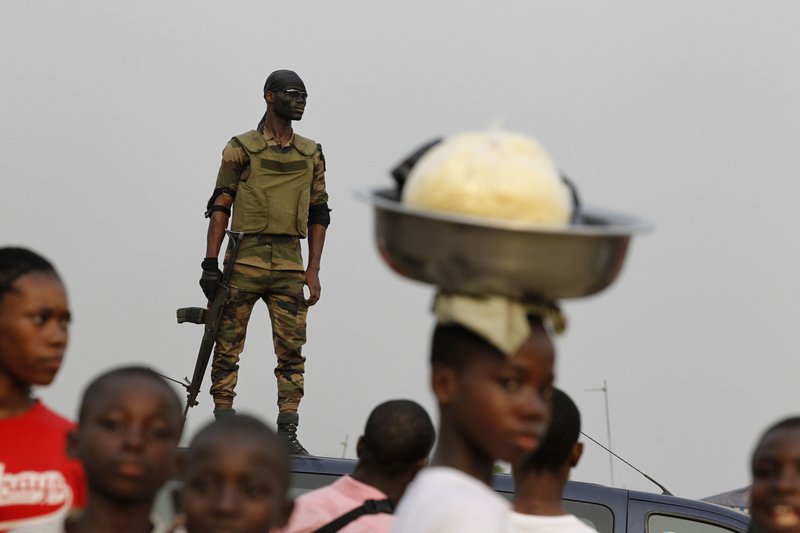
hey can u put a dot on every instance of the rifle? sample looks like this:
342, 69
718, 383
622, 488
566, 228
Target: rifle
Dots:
211, 318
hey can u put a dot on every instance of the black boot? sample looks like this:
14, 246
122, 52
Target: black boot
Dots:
222, 412
287, 428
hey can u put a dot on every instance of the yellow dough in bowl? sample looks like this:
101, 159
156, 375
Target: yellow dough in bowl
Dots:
493, 174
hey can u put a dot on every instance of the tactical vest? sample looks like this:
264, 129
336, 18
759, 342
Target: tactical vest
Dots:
276, 195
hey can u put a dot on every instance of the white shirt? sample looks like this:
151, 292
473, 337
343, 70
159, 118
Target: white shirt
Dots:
528, 523
446, 500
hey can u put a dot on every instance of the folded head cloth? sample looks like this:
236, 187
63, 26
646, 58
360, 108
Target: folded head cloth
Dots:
501, 321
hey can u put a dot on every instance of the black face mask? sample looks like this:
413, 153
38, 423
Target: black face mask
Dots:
287, 105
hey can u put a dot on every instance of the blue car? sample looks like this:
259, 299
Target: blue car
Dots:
607, 509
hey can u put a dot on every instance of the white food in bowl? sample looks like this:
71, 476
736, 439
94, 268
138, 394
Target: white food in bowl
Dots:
492, 174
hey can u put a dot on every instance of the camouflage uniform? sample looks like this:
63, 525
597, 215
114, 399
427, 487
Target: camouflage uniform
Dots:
268, 267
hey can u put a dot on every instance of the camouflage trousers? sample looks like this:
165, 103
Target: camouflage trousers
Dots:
282, 291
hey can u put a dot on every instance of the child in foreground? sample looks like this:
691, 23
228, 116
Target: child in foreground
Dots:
40, 483
235, 478
775, 493
492, 378
129, 425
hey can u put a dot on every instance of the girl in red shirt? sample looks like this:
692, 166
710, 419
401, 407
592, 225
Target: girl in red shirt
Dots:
39, 484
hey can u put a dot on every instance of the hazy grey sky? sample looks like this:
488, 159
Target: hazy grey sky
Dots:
114, 115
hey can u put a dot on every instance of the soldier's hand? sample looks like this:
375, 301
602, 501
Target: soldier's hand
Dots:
211, 277
314, 288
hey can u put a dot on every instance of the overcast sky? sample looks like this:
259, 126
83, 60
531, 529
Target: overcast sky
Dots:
113, 116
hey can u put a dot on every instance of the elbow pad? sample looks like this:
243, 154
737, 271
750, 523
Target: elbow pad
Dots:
319, 214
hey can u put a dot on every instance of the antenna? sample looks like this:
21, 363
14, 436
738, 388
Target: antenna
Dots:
604, 390
659, 485
344, 444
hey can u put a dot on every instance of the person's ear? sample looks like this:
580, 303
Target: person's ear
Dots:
177, 461
444, 383
269, 96
419, 465
575, 456
72, 444
360, 446
176, 499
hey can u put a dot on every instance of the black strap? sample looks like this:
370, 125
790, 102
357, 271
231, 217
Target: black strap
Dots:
220, 208
369, 507
210, 207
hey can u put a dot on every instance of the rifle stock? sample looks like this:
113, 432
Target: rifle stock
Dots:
211, 318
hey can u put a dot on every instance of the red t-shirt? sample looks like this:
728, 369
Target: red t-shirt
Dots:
39, 483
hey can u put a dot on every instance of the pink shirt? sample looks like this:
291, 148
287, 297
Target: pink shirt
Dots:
316, 508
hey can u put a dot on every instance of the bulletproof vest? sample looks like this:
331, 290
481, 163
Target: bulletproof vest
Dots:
276, 195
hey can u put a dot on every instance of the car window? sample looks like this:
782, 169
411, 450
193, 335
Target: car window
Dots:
303, 482
660, 523
595, 515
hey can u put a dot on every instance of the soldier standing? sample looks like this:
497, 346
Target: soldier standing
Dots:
274, 181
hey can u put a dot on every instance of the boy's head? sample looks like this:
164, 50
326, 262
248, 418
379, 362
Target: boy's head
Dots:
560, 449
129, 425
496, 403
34, 318
236, 476
398, 437
775, 493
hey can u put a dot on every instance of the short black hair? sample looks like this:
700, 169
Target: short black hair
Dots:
397, 435
98, 384
560, 439
16, 262
790, 423
236, 427
454, 345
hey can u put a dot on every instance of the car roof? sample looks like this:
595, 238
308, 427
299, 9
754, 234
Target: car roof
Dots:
612, 497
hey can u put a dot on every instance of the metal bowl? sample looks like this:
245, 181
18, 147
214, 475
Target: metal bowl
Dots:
490, 256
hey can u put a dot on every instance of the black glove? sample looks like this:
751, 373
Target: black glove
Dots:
211, 277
